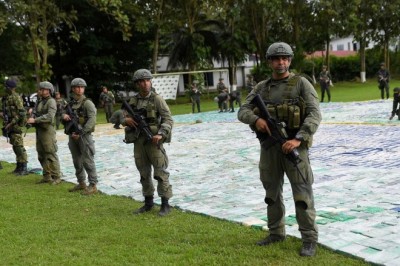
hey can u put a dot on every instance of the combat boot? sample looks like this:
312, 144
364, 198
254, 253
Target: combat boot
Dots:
148, 205
17, 167
91, 189
23, 170
56, 181
270, 239
44, 180
165, 207
308, 249
80, 186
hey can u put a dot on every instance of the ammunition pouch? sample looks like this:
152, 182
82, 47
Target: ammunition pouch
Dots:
131, 135
290, 111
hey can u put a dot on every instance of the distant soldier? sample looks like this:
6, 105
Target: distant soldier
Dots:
223, 96
325, 81
195, 94
61, 103
383, 81
107, 100
250, 83
46, 142
14, 119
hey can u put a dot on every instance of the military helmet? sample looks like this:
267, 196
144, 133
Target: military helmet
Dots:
279, 49
10, 84
46, 85
142, 74
78, 82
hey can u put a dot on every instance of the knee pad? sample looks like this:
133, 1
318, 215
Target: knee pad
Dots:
301, 204
269, 201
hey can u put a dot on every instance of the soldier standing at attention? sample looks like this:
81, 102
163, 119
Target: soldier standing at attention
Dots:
223, 96
195, 94
325, 81
293, 92
107, 100
61, 103
150, 154
46, 142
13, 109
79, 125
383, 81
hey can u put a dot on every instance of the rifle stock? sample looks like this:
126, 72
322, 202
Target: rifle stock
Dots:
143, 127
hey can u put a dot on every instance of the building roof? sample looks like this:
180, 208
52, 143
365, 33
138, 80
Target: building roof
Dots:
333, 53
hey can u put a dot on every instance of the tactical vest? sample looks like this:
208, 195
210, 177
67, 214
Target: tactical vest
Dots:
153, 118
77, 108
290, 110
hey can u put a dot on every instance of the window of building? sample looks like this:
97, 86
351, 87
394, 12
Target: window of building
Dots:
340, 47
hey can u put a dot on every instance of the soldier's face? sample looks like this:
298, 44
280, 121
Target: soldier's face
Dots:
44, 93
280, 64
78, 90
144, 86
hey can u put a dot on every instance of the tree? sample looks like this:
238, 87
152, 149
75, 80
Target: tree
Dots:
38, 18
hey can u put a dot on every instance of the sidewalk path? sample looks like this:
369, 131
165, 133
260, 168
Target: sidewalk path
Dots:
214, 171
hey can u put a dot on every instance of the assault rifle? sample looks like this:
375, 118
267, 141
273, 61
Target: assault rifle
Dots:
6, 119
278, 133
140, 119
72, 126
32, 115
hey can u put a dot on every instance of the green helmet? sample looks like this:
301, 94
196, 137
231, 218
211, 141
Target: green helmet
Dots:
279, 49
46, 85
78, 82
142, 74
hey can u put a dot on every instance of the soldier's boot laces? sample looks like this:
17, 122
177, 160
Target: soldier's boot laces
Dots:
308, 249
165, 207
148, 205
23, 170
270, 240
78, 187
91, 189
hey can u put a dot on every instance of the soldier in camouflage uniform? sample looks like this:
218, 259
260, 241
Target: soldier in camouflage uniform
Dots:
61, 103
46, 142
383, 81
150, 154
81, 143
296, 95
223, 96
14, 109
107, 100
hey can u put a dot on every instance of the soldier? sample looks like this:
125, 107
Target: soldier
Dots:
150, 154
383, 80
195, 94
293, 92
61, 103
396, 101
79, 123
14, 119
223, 96
46, 142
250, 83
325, 81
107, 100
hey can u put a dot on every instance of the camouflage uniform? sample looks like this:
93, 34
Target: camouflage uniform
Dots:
108, 100
273, 164
223, 96
83, 149
383, 76
46, 142
17, 114
61, 103
324, 81
146, 153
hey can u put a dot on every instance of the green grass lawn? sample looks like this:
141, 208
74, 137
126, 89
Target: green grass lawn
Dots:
47, 225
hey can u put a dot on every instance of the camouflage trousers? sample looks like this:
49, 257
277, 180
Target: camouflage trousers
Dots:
148, 155
108, 109
46, 147
273, 166
17, 142
82, 151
